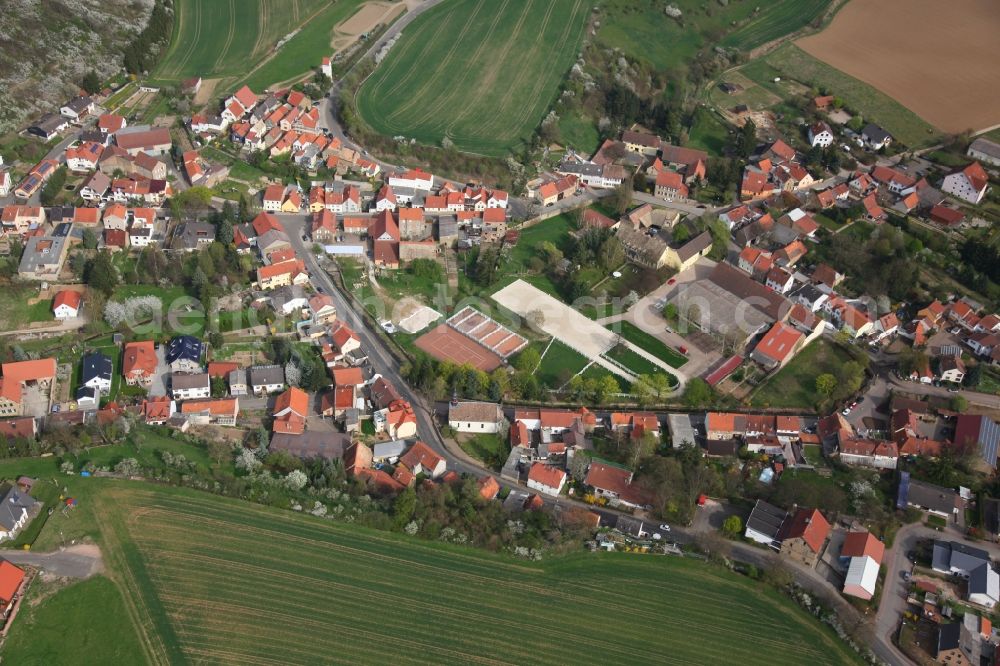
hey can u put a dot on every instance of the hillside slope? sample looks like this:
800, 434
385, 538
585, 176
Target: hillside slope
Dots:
46, 47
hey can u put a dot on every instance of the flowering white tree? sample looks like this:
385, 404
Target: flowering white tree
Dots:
247, 461
292, 374
296, 480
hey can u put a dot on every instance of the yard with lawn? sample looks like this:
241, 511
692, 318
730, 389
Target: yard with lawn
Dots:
795, 384
490, 449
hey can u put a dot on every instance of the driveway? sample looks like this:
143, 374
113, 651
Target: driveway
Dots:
161, 378
80, 561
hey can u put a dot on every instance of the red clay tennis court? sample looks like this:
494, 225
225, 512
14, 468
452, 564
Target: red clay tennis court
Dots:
446, 344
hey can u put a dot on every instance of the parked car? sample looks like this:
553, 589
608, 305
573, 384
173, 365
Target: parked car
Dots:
665, 527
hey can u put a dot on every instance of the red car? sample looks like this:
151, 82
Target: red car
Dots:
671, 280
682, 349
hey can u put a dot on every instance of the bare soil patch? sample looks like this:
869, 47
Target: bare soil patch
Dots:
936, 58
204, 95
369, 16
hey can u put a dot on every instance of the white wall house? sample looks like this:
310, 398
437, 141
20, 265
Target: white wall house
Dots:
820, 135
968, 184
546, 479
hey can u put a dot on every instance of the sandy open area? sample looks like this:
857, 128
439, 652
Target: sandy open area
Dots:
369, 16
938, 59
204, 95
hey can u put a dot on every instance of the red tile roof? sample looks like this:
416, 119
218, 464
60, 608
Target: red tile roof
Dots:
139, 357
66, 297
779, 343
29, 371
11, 578
808, 525
863, 544
547, 475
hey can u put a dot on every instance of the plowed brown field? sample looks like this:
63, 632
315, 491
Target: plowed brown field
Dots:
938, 59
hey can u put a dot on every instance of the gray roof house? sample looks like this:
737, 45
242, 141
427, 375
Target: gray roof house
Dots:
922, 495
43, 257
14, 507
190, 236
266, 378
972, 564
389, 451
764, 524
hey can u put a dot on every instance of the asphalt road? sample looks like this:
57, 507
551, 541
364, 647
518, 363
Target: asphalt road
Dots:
80, 561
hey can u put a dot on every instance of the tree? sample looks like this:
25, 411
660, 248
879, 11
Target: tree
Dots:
826, 384
296, 480
91, 82
746, 139
605, 387
732, 526
89, 239
958, 403
527, 360
219, 450
101, 274
403, 507
697, 393
53, 186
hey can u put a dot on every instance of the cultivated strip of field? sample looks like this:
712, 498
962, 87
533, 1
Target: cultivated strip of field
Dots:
937, 58
219, 38
481, 73
219, 581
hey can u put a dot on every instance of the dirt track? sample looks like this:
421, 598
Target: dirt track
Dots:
939, 59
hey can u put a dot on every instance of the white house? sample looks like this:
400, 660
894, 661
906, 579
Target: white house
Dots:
14, 507
546, 479
968, 184
5, 182
820, 135
985, 150
416, 179
96, 372
67, 304
875, 137
326, 67
190, 386
266, 379
471, 416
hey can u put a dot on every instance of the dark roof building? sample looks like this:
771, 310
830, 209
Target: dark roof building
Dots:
184, 347
95, 366
981, 431
927, 496
764, 524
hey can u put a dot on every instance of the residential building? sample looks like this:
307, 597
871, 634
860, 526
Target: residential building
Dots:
981, 433
546, 479
778, 346
290, 411
968, 184
190, 385
820, 135
670, 186
972, 564
144, 139
265, 379
615, 484
191, 236
184, 354
875, 137
944, 502
66, 304
312, 445
43, 257
139, 363
96, 372
157, 410
420, 459
15, 504
803, 536
764, 524
213, 411
861, 553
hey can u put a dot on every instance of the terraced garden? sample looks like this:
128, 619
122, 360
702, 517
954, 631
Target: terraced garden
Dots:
219, 581
480, 73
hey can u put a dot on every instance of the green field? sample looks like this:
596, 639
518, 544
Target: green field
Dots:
648, 343
795, 384
214, 580
778, 20
83, 623
230, 39
791, 62
481, 73
559, 364
641, 29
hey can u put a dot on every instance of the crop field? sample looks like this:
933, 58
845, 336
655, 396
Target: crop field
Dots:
480, 73
211, 580
778, 20
922, 53
791, 62
234, 39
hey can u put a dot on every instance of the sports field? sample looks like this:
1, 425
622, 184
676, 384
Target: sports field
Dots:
935, 60
480, 72
211, 580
